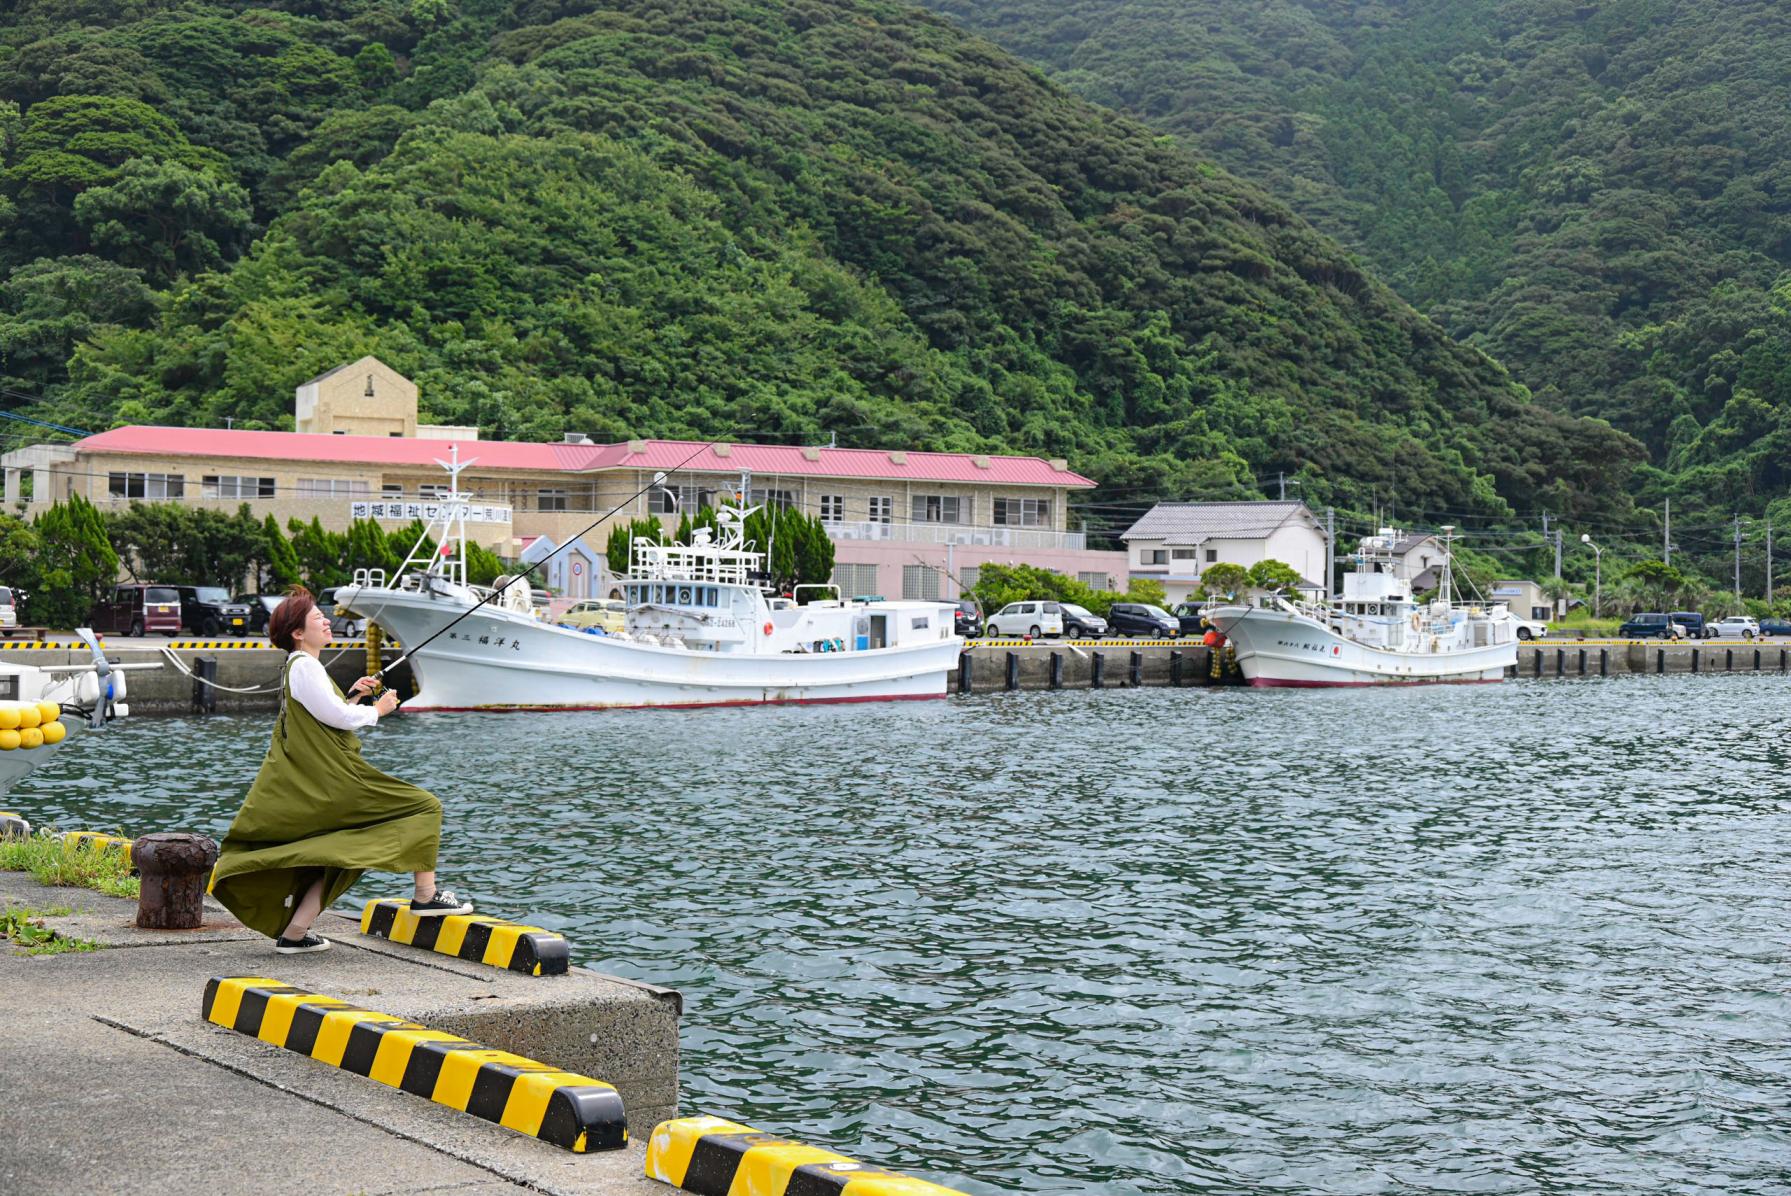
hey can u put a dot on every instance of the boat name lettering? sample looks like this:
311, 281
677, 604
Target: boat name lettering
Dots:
515, 645
1299, 644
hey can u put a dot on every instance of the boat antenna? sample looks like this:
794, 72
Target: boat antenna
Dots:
658, 479
1448, 564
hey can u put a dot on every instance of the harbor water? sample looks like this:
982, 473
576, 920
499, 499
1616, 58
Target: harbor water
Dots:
1518, 938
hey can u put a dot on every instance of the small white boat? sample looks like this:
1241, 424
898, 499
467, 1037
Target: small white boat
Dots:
82, 697
701, 631
1376, 634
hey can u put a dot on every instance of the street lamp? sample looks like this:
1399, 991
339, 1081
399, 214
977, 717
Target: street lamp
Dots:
1597, 573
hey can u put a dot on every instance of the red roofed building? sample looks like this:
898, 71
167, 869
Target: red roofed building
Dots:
904, 523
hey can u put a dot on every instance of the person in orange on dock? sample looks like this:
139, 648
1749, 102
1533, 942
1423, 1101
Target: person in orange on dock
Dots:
318, 815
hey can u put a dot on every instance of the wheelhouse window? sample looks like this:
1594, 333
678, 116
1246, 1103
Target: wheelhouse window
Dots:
882, 509
1022, 512
146, 485
938, 508
225, 485
833, 508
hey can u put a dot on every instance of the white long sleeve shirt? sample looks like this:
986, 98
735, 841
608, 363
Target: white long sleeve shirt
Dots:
311, 687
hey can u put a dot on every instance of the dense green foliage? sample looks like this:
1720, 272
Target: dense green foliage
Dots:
768, 219
997, 585
1595, 193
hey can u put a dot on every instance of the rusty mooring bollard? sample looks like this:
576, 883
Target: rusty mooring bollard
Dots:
174, 867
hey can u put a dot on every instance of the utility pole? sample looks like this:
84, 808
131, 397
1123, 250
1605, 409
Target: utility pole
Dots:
1738, 556
1557, 552
1330, 552
1283, 476
1769, 559
1666, 536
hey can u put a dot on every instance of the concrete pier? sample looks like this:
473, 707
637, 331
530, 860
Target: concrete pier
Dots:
1610, 658
115, 1083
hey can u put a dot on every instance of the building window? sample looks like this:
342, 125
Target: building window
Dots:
392, 489
432, 491
1181, 554
673, 500
882, 510
547, 499
1022, 512
334, 487
772, 498
968, 576
1212, 554
833, 508
1094, 581
225, 485
855, 580
920, 581
936, 508
1153, 556
146, 485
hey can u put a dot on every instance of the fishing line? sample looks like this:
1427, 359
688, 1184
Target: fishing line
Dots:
659, 479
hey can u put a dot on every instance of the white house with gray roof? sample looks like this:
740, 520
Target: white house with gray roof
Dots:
1176, 541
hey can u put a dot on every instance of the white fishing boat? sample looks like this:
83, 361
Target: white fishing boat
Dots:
44, 708
701, 630
1376, 634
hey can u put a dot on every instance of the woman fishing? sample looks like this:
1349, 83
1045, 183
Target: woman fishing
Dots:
318, 815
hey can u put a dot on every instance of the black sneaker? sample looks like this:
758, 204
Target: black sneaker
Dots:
311, 942
444, 902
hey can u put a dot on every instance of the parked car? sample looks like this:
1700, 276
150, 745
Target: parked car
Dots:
261, 608
137, 609
1143, 620
9, 607
1037, 618
1775, 627
1733, 627
967, 619
1188, 615
209, 610
1649, 626
609, 614
1691, 623
1079, 621
344, 625
1529, 629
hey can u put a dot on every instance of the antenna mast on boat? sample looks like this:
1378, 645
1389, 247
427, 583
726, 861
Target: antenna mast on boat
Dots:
1448, 590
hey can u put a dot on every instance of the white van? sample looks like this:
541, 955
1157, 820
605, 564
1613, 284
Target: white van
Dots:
1025, 618
9, 607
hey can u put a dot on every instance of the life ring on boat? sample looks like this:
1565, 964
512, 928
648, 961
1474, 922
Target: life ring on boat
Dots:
1417, 621
768, 629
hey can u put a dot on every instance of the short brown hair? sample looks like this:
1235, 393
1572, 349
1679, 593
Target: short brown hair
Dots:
289, 617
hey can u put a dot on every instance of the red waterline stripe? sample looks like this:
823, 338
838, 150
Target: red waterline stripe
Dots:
672, 705
1273, 683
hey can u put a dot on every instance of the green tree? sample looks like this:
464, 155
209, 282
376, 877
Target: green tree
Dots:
76, 564
368, 547
1225, 580
1270, 575
166, 219
283, 568
321, 554
50, 305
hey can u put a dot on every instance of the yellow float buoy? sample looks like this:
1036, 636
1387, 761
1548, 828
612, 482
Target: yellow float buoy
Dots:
31, 737
9, 717
29, 715
48, 712
53, 732
9, 740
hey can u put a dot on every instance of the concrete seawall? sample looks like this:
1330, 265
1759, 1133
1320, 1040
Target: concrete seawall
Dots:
991, 667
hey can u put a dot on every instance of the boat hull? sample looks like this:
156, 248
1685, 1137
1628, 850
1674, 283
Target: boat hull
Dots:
1276, 649
20, 763
498, 660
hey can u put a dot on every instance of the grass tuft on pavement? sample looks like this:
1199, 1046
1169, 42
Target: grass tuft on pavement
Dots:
51, 861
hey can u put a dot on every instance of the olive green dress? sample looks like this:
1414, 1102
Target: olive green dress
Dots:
318, 809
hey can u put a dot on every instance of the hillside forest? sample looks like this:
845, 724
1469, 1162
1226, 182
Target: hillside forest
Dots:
846, 219
1595, 193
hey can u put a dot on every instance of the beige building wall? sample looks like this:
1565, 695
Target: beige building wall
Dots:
365, 398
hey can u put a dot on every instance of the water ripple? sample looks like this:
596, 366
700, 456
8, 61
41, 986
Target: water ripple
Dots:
1526, 939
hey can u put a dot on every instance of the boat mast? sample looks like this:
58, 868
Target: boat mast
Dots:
1447, 593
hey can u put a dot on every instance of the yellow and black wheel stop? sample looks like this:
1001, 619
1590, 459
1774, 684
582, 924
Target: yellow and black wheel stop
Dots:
14, 826
559, 1107
481, 939
711, 1156
95, 841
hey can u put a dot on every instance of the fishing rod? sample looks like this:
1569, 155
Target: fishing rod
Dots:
659, 479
